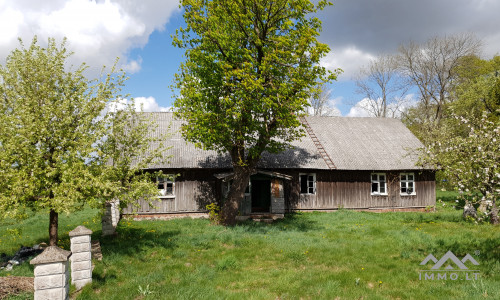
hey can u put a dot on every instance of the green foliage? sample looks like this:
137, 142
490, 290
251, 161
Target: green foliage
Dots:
250, 68
63, 142
128, 150
213, 213
477, 90
471, 163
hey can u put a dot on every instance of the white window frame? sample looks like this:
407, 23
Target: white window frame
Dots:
166, 180
378, 181
309, 187
405, 183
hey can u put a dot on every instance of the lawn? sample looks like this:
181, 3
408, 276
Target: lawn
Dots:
345, 254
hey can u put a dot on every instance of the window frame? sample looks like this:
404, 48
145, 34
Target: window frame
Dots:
406, 181
165, 180
308, 187
378, 181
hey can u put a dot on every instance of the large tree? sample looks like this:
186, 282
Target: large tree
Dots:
61, 146
249, 71
430, 68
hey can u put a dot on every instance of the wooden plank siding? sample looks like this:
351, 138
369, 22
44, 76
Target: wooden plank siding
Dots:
352, 189
195, 188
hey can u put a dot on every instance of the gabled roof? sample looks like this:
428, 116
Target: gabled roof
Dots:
351, 143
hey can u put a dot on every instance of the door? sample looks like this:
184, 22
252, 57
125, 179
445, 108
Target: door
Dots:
261, 195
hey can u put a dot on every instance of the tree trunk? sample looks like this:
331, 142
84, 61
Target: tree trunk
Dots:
230, 207
494, 213
53, 225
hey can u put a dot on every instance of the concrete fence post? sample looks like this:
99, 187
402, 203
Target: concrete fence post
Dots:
81, 258
111, 217
51, 274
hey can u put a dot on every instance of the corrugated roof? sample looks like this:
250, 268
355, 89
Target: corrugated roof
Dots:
367, 143
352, 144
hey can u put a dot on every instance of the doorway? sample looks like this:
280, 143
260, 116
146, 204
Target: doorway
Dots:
261, 195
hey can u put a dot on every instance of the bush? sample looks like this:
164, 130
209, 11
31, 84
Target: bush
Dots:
213, 213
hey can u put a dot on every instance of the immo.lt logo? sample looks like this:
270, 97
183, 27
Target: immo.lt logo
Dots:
449, 267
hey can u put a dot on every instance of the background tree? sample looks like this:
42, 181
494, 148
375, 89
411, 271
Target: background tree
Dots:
321, 102
477, 87
383, 86
249, 71
430, 67
56, 140
474, 91
466, 146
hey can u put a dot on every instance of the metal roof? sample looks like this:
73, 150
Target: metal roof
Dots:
351, 143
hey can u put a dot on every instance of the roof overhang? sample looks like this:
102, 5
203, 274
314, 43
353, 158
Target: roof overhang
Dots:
228, 176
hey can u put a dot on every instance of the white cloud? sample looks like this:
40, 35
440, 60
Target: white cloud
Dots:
145, 104
350, 59
360, 109
365, 106
149, 104
97, 31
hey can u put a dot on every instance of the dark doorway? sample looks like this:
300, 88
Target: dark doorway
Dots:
261, 195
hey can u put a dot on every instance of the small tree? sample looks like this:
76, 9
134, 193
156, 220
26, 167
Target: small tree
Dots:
383, 86
249, 71
321, 102
58, 146
472, 162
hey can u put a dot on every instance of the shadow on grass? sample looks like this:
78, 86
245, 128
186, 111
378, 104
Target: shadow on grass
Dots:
291, 222
132, 241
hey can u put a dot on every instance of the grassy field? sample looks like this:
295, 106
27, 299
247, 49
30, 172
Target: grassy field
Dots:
346, 254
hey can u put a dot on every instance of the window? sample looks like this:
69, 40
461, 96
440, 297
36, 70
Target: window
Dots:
307, 183
407, 182
379, 184
166, 185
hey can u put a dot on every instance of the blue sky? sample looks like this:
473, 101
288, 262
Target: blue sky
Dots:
139, 32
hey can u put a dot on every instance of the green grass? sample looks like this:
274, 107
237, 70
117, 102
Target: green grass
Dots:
344, 254
35, 229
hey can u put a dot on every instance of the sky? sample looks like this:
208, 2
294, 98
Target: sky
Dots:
139, 33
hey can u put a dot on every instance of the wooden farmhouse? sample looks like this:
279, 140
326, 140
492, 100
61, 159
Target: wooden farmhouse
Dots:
351, 163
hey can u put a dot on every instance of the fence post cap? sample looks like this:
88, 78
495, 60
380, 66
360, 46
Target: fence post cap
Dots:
51, 254
80, 230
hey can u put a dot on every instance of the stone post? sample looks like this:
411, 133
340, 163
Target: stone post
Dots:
51, 274
111, 218
81, 264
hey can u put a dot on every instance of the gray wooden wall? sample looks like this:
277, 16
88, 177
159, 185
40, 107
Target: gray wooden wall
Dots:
352, 189
194, 189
